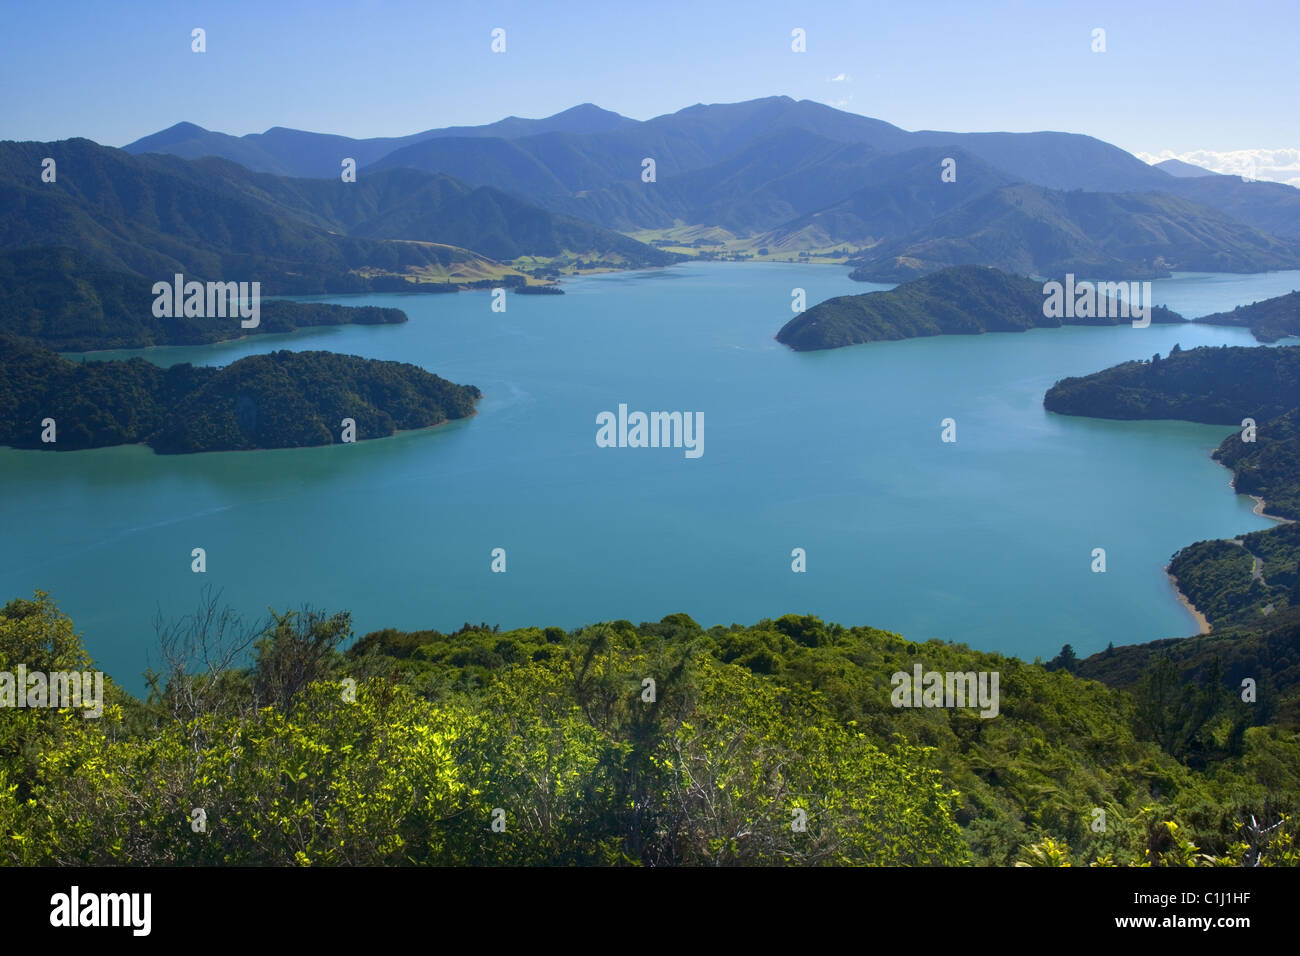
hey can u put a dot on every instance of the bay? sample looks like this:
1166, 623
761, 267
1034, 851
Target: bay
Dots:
987, 541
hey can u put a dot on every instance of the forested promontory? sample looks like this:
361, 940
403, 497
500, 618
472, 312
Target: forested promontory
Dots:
1242, 580
1268, 321
1268, 467
963, 300
60, 299
279, 400
1216, 386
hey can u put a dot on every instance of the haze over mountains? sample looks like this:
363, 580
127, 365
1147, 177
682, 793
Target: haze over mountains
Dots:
768, 178
793, 176
155, 215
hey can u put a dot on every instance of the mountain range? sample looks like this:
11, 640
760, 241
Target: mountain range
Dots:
523, 200
156, 215
779, 171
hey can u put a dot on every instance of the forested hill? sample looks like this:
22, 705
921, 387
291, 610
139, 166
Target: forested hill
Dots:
1268, 467
1244, 580
214, 220
1172, 672
1217, 386
963, 300
1031, 230
656, 744
1268, 321
60, 299
279, 400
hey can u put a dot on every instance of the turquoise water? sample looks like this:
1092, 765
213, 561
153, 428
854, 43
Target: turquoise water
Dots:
986, 541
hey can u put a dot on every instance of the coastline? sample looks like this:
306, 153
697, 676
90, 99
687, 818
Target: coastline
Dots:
1200, 618
1261, 504
224, 451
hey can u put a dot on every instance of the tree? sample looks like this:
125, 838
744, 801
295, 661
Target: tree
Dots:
297, 649
1066, 660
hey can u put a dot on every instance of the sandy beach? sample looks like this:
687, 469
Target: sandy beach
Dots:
1259, 510
1201, 622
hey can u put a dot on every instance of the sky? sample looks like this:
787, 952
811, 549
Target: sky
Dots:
1186, 79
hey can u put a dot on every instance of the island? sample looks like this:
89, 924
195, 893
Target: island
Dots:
963, 300
279, 400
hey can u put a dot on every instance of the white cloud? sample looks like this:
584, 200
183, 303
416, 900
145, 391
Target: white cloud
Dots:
841, 103
840, 78
1274, 165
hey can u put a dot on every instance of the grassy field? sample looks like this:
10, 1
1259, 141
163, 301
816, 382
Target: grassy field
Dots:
713, 242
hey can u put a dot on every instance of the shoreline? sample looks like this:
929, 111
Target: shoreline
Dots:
1260, 505
1200, 618
224, 451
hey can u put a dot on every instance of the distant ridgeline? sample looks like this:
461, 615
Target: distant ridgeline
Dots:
280, 400
1030, 230
963, 300
393, 230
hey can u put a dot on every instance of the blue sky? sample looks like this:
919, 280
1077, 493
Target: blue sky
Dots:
1176, 76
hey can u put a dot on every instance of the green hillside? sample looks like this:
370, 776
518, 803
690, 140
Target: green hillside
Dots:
1241, 581
212, 220
58, 298
279, 400
619, 744
1216, 386
1031, 230
965, 300
1268, 321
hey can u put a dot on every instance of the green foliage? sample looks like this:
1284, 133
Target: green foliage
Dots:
408, 748
1267, 651
1196, 724
1217, 577
1242, 582
1217, 386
